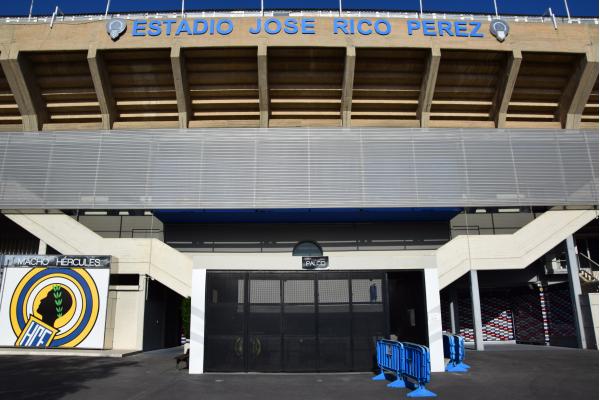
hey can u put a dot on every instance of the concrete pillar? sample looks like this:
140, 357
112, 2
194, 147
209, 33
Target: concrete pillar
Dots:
434, 319
197, 321
575, 289
476, 304
42, 247
453, 305
263, 86
102, 86
19, 75
348, 86
506, 87
428, 86
182, 92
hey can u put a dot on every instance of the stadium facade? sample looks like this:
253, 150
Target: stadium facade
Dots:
312, 183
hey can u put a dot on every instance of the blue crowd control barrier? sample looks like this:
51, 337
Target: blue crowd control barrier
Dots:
417, 369
454, 349
390, 357
460, 346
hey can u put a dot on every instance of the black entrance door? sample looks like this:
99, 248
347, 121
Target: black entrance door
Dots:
304, 321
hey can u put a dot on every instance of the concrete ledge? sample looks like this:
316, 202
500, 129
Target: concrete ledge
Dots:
7, 351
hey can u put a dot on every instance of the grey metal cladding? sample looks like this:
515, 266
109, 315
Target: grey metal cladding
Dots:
298, 168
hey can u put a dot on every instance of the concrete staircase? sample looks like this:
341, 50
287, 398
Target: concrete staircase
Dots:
130, 256
515, 251
174, 269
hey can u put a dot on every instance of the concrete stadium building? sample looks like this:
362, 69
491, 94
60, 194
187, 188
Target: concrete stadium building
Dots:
313, 181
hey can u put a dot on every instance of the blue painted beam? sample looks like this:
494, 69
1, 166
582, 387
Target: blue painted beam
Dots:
307, 215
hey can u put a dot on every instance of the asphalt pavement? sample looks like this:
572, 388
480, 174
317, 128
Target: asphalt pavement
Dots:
510, 374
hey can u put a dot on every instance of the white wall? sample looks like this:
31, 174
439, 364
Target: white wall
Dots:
342, 260
125, 317
434, 319
197, 321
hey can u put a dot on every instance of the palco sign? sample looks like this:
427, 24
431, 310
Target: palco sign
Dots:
54, 301
315, 262
307, 26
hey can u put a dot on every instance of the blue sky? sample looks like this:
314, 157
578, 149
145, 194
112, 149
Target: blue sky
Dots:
529, 7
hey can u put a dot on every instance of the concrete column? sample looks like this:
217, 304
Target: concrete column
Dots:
20, 78
348, 86
182, 92
454, 321
575, 289
434, 319
577, 91
102, 86
428, 86
476, 304
263, 86
42, 247
197, 321
506, 87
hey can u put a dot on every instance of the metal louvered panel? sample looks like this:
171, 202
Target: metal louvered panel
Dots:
298, 168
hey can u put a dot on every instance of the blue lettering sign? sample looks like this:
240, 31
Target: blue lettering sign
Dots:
183, 27
154, 28
138, 28
304, 26
387, 27
430, 27
308, 26
339, 24
227, 30
204, 28
291, 26
445, 27
460, 28
413, 25
272, 26
476, 27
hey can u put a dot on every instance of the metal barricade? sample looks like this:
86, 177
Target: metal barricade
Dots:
390, 358
410, 363
454, 349
460, 345
417, 369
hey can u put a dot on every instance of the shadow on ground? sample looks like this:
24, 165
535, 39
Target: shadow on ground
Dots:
48, 377
544, 373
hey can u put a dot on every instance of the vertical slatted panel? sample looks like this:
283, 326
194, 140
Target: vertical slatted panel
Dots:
298, 168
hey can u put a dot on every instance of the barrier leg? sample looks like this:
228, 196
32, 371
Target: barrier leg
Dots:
380, 377
421, 391
451, 367
398, 383
462, 364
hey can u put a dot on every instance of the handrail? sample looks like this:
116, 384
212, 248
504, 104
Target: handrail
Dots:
307, 13
589, 259
54, 14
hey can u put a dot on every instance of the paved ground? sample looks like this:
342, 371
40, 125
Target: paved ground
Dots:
539, 373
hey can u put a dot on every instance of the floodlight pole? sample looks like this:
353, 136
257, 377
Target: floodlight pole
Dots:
107, 9
420, 8
568, 12
182, 8
262, 8
30, 10
340, 2
496, 8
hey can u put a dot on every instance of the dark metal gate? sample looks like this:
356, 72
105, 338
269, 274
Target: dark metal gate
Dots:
527, 316
294, 322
